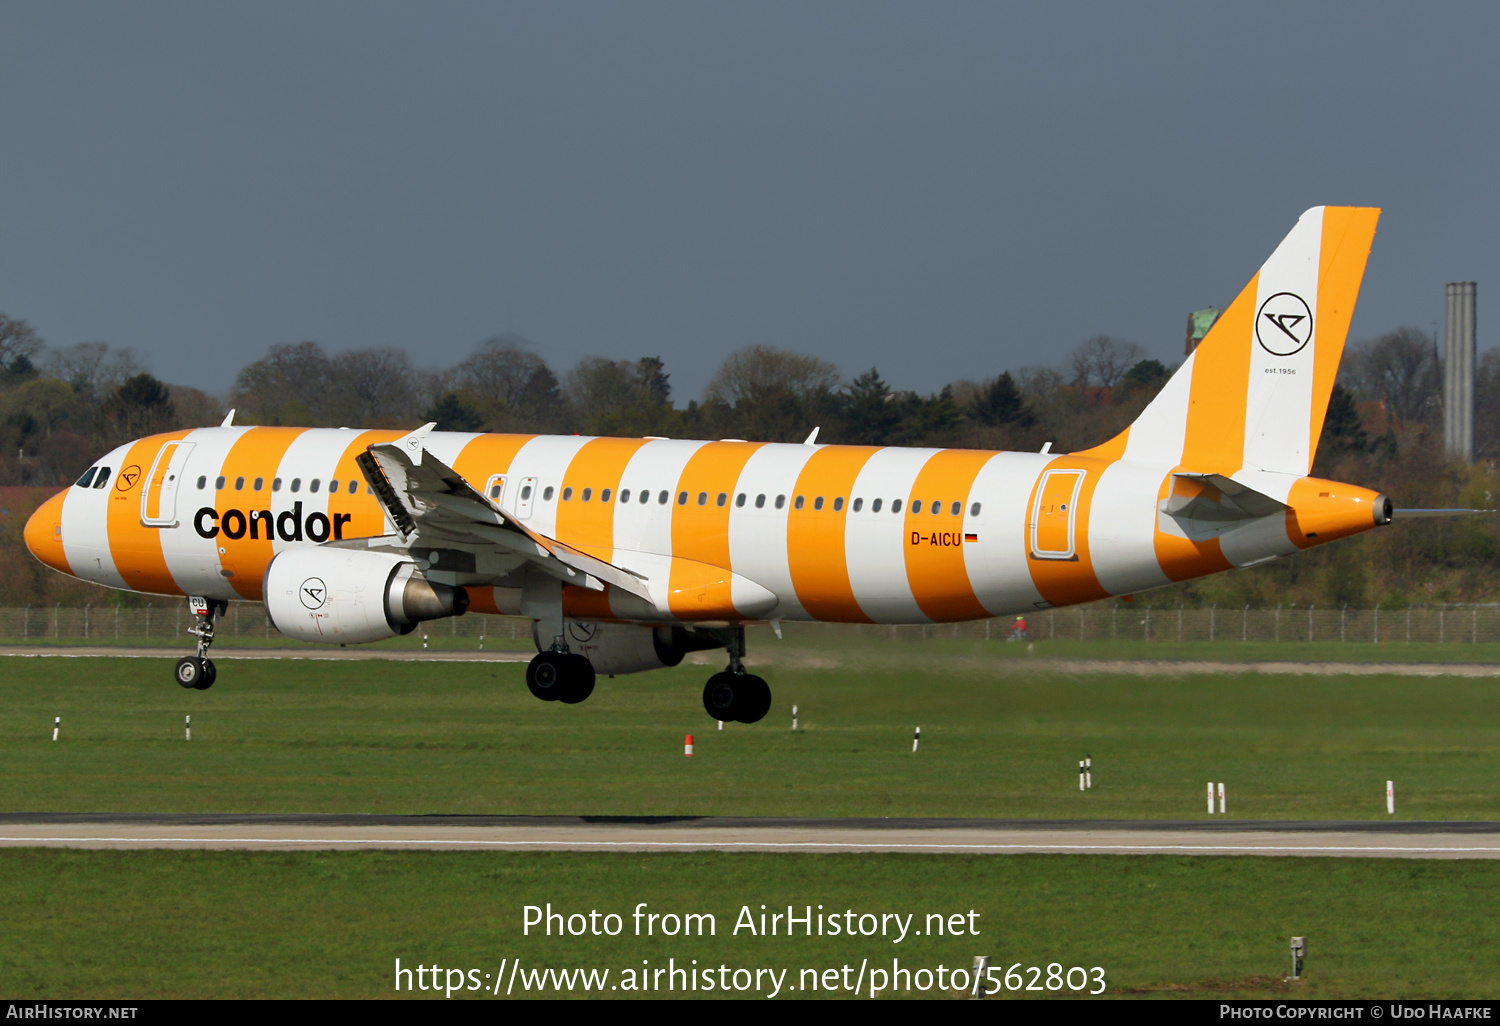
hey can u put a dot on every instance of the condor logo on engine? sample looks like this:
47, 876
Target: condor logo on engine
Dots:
289, 525
314, 593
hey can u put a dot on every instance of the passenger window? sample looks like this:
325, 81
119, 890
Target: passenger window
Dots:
937, 506
239, 484
624, 494
353, 487
103, 478
202, 483
859, 504
588, 493
546, 492
313, 487
798, 503
838, 504
895, 505
723, 498
974, 510
219, 483
495, 491
682, 498
703, 498
296, 484
780, 501
958, 508
875, 506
333, 486
275, 484
88, 478
739, 500
661, 498
260, 483
760, 501
818, 502
567, 495
604, 495
916, 505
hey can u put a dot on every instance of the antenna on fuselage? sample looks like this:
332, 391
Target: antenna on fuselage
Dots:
228, 419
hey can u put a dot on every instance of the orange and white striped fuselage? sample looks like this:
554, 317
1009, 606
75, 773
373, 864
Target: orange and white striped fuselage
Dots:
721, 532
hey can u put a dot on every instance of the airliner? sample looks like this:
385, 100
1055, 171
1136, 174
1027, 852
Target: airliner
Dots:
629, 553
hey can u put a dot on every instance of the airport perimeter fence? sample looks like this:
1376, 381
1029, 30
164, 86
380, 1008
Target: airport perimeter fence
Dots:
246, 623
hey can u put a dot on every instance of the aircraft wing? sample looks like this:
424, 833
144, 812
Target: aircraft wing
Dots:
433, 506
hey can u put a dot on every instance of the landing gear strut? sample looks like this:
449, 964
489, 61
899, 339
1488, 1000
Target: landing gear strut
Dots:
198, 671
734, 695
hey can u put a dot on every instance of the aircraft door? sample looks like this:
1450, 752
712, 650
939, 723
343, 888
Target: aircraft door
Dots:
524, 499
159, 496
1054, 515
494, 489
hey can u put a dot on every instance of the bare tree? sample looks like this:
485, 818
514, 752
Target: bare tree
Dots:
1102, 362
504, 373
17, 339
1400, 367
92, 369
373, 388
749, 374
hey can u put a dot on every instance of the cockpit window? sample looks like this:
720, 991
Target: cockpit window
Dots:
88, 477
103, 478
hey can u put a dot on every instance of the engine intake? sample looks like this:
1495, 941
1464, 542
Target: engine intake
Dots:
337, 596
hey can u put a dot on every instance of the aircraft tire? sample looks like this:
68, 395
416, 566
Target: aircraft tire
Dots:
547, 674
752, 699
189, 672
210, 674
720, 696
578, 680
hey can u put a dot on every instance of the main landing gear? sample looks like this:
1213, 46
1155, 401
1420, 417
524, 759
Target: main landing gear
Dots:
560, 676
198, 671
734, 695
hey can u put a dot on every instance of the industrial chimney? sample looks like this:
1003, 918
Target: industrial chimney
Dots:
1458, 372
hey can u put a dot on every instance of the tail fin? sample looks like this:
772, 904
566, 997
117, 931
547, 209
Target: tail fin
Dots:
1254, 393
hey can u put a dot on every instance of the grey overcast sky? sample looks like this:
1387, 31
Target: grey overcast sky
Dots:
943, 190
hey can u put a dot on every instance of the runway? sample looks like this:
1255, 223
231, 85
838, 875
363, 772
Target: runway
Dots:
1453, 840
1072, 667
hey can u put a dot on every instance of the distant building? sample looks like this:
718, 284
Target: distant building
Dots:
1199, 321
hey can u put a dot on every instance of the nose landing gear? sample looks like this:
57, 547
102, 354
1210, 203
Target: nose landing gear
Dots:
734, 695
198, 671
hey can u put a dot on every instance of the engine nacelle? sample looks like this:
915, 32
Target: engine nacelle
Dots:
352, 596
616, 648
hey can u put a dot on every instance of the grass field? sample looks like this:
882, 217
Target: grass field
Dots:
226, 924
998, 739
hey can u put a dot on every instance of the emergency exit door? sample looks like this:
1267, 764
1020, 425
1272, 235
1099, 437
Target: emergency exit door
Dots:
159, 497
1054, 515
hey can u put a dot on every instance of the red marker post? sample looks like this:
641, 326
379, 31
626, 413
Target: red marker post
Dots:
687, 745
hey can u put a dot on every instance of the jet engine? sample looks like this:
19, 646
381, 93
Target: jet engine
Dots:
351, 596
616, 648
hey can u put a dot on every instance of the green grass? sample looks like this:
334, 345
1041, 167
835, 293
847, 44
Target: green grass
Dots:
997, 740
158, 924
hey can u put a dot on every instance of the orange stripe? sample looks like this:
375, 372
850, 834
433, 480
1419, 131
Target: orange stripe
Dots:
1221, 384
487, 455
135, 547
700, 534
257, 453
815, 547
1183, 559
1066, 582
1114, 449
586, 604
1348, 233
596, 467
935, 544
366, 515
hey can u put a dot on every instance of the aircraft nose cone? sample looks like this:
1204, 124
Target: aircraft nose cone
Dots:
43, 533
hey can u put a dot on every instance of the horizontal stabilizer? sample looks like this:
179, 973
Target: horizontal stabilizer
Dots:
1216, 497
